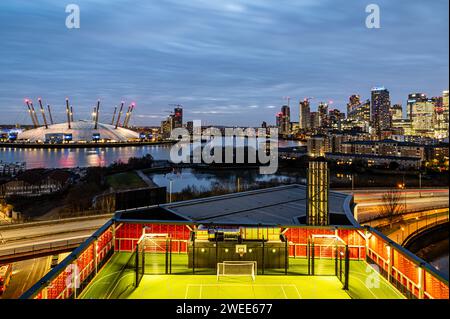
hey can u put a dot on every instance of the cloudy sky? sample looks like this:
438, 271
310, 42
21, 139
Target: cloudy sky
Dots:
227, 62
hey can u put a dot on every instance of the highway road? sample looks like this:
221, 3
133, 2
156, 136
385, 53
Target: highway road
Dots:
400, 234
370, 203
26, 273
23, 237
22, 233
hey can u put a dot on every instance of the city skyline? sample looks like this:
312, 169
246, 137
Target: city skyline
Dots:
228, 63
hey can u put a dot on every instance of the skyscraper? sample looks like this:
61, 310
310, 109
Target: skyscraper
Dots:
423, 117
397, 112
380, 115
335, 117
305, 117
354, 102
323, 114
314, 120
444, 127
285, 125
177, 120
413, 98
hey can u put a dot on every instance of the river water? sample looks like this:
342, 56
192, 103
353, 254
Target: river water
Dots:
84, 157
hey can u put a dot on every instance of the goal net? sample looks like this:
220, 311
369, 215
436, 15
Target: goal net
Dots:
328, 255
236, 269
154, 253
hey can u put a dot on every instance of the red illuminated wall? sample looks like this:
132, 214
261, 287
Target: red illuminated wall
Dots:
62, 286
405, 270
299, 238
127, 235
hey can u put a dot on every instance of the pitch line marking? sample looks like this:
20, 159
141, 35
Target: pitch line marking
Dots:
298, 292
388, 284
284, 292
117, 283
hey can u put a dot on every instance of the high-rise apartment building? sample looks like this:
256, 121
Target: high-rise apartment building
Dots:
413, 98
380, 115
304, 113
322, 109
397, 112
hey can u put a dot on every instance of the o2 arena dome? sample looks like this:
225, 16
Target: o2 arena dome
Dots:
80, 131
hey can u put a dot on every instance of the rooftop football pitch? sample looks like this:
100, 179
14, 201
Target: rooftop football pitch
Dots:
116, 281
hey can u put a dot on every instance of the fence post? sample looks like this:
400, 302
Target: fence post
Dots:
421, 281
389, 262
347, 267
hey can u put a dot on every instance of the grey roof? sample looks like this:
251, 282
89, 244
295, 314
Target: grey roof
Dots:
281, 205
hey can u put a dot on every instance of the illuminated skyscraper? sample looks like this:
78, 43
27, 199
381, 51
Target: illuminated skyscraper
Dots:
177, 120
285, 120
360, 116
423, 117
354, 102
380, 115
396, 112
414, 98
314, 120
335, 117
305, 111
442, 116
318, 186
323, 114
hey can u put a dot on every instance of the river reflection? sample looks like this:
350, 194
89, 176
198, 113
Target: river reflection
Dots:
84, 157
205, 180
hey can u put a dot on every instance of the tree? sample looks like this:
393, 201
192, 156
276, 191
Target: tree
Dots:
392, 206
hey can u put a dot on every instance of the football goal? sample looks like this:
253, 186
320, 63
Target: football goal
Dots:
236, 269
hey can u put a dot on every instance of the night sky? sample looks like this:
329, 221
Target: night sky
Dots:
226, 62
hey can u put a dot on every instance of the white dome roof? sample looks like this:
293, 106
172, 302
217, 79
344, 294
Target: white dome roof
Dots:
81, 131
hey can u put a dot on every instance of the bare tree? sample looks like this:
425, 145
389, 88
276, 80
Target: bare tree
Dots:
392, 206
